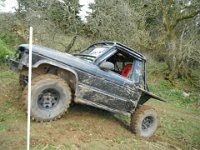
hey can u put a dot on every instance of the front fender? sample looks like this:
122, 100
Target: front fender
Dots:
59, 65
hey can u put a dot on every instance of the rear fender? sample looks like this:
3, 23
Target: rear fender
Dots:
146, 95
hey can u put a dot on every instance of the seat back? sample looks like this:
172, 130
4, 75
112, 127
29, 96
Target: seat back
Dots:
126, 70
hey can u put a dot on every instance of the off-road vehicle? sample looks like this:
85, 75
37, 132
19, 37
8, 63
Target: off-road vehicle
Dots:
106, 75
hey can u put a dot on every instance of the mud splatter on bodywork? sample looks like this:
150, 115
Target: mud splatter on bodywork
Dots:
91, 84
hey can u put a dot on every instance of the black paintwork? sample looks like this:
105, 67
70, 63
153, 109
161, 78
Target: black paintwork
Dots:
100, 88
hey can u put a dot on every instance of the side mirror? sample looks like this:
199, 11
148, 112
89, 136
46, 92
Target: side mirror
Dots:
107, 65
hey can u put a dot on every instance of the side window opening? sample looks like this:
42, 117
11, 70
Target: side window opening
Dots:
128, 66
122, 63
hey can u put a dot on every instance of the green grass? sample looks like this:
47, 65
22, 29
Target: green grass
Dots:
4, 51
178, 125
179, 129
51, 147
180, 115
173, 93
12, 117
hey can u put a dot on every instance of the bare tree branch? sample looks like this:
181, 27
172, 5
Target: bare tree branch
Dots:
190, 15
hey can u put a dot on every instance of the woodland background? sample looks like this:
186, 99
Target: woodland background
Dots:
167, 32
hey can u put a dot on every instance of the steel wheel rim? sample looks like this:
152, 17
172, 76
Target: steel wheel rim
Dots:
147, 123
48, 99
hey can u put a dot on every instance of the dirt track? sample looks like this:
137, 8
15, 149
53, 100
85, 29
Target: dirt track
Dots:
82, 127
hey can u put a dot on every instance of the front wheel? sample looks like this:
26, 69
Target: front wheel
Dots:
23, 80
50, 97
144, 121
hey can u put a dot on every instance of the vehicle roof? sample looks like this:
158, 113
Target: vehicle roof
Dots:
126, 48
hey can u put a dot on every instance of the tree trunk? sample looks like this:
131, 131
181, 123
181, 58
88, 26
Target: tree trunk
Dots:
171, 40
71, 44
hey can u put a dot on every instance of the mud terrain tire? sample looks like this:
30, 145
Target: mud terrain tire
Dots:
50, 97
22, 78
144, 121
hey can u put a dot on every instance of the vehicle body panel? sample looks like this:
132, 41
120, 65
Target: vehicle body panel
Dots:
94, 86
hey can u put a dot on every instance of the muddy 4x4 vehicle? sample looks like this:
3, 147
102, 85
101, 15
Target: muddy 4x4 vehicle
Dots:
106, 75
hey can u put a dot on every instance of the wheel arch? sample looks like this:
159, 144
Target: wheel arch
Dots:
63, 71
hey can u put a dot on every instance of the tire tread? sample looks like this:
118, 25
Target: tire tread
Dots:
41, 77
135, 117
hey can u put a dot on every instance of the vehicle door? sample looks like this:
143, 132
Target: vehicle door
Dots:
135, 79
113, 90
108, 88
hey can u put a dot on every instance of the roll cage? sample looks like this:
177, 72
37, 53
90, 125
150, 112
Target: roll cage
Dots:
112, 49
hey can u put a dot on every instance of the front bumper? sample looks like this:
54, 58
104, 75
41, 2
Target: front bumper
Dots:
15, 65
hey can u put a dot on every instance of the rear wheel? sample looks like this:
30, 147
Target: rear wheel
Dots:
144, 121
50, 97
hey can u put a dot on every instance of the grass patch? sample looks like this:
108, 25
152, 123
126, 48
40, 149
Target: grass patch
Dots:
179, 116
51, 147
177, 129
4, 125
4, 52
181, 94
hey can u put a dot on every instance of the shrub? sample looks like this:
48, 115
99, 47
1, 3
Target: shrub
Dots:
4, 52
